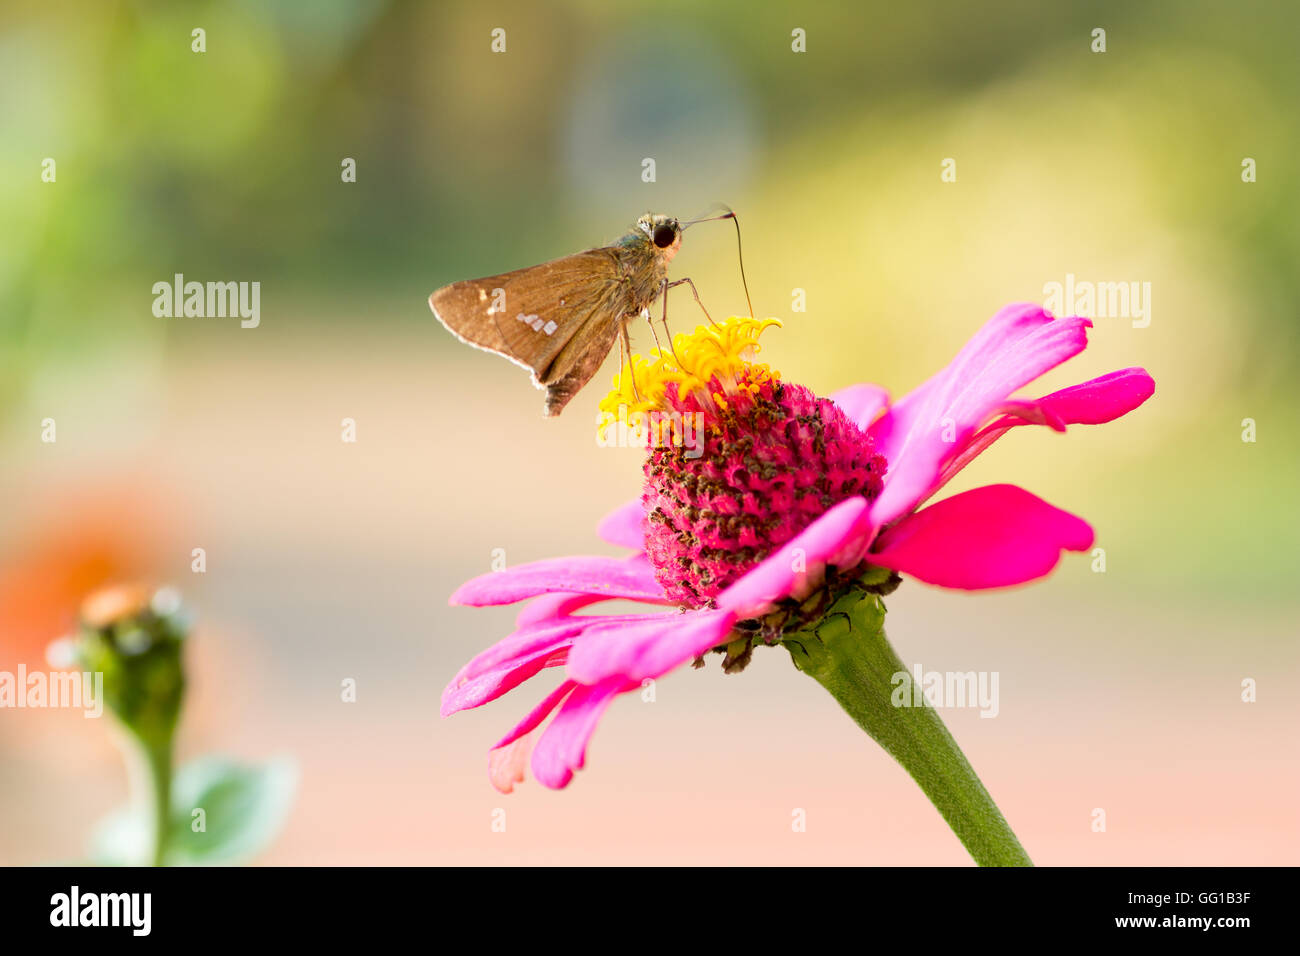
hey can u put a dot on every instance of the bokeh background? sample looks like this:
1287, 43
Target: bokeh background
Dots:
327, 561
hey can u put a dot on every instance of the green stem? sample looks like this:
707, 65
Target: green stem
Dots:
160, 778
151, 776
849, 655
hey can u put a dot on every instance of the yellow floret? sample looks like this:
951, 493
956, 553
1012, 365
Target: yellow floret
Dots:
718, 351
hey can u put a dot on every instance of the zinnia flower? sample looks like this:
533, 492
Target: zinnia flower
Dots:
794, 501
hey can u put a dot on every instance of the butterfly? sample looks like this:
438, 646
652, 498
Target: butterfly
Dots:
560, 319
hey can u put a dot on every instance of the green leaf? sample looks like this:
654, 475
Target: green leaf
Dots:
223, 812
243, 809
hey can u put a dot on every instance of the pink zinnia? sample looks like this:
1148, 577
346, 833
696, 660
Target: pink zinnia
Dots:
794, 498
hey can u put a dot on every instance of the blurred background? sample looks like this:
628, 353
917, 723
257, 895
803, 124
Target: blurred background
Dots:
329, 561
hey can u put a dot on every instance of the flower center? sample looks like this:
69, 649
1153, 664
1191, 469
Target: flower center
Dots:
768, 457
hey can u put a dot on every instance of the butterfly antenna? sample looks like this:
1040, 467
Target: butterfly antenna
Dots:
740, 256
728, 213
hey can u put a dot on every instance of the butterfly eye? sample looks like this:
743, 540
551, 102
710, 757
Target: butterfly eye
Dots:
665, 236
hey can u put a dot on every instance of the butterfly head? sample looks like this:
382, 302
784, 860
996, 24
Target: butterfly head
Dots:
664, 234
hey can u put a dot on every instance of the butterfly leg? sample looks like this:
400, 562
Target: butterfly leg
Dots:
651, 322
626, 347
663, 291
694, 292
622, 361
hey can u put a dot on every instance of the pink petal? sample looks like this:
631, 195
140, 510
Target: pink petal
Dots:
610, 578
1100, 400
563, 746
506, 764
553, 608
839, 537
1030, 413
523, 643
649, 649
1094, 402
989, 537
491, 684
931, 425
624, 526
536, 715
517, 657
862, 403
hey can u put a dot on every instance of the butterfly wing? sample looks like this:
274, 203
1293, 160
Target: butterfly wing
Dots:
579, 360
558, 319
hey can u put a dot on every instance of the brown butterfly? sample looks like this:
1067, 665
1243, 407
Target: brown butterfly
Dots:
560, 319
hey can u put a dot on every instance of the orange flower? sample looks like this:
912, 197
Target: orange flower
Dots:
65, 553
